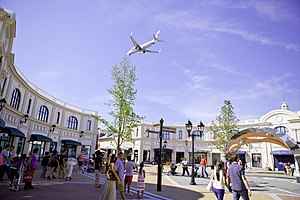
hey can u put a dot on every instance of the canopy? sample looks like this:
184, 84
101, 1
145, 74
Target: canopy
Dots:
13, 132
71, 142
37, 137
281, 152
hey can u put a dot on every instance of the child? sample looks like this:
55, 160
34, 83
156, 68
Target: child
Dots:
45, 163
141, 181
14, 169
70, 164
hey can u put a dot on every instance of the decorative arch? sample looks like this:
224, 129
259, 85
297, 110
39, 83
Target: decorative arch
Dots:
288, 113
254, 135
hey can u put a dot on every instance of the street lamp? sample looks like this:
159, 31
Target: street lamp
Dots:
25, 119
2, 103
189, 127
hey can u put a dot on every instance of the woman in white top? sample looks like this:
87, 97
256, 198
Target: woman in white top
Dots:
219, 183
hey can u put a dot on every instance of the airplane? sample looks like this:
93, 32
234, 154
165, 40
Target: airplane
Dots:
143, 48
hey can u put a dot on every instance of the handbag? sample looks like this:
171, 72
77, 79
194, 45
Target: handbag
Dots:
210, 185
28, 175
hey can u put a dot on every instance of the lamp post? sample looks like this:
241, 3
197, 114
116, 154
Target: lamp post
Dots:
2, 103
189, 127
159, 171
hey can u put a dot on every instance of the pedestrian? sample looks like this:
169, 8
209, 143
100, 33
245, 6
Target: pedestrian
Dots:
30, 168
14, 169
98, 168
80, 159
45, 163
1, 158
53, 165
141, 181
219, 181
239, 183
185, 167
110, 192
120, 169
203, 165
5, 162
292, 169
288, 169
129, 174
62, 171
71, 162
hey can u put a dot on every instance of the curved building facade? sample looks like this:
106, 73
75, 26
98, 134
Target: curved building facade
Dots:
31, 117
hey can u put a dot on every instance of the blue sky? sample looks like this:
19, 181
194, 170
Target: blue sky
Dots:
244, 51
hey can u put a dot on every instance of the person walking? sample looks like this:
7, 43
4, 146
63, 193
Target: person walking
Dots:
80, 159
44, 164
129, 174
53, 164
120, 169
98, 168
141, 181
110, 192
219, 181
31, 167
185, 167
71, 162
62, 170
5, 162
203, 165
239, 183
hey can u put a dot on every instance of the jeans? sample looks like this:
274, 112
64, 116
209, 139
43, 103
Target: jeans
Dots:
219, 193
240, 193
185, 169
203, 168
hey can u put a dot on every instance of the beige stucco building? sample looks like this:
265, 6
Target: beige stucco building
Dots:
30, 117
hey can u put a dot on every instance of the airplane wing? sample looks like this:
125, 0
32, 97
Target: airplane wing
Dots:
149, 51
134, 42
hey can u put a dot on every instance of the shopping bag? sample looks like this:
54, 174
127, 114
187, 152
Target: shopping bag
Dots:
28, 175
210, 185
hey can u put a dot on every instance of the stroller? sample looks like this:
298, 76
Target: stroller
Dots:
16, 182
173, 169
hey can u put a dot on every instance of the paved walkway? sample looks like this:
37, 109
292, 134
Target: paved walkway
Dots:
82, 187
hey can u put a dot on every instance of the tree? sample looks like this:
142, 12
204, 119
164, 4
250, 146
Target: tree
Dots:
226, 126
123, 95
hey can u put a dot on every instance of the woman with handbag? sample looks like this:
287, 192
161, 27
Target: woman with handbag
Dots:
29, 172
110, 192
219, 181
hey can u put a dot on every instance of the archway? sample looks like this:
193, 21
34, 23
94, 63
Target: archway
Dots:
255, 135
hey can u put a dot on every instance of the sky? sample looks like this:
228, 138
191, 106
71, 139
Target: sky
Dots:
247, 52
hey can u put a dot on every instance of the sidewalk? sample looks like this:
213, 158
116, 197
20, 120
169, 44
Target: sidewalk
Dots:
82, 187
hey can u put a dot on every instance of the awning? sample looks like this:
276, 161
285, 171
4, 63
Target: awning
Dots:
2, 123
241, 152
281, 152
37, 137
13, 132
71, 142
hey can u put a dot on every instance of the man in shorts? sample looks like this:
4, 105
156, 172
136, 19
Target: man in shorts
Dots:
119, 165
129, 174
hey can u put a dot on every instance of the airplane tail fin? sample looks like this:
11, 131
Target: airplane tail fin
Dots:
155, 37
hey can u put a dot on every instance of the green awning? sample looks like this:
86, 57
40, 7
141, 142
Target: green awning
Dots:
37, 137
13, 132
71, 142
2, 123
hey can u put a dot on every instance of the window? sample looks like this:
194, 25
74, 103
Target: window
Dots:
166, 135
3, 86
72, 123
137, 133
29, 105
198, 135
43, 114
89, 123
281, 129
147, 133
15, 99
180, 134
58, 116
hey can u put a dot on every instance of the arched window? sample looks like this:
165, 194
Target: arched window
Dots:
43, 114
72, 123
281, 129
198, 135
15, 99
180, 134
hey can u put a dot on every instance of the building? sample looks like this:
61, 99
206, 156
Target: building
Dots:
31, 117
145, 142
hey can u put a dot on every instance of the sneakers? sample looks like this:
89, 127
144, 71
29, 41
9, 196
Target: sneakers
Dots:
48, 177
98, 186
53, 177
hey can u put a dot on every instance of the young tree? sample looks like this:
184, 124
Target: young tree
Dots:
123, 96
226, 126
